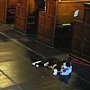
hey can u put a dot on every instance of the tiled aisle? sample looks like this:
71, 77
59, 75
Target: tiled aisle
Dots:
16, 71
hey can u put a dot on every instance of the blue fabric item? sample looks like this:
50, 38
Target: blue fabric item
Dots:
66, 70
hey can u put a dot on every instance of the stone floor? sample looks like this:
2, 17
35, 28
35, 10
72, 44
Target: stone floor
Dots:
17, 72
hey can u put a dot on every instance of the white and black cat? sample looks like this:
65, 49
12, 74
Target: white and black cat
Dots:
52, 63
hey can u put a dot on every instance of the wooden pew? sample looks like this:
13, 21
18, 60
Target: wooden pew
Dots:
81, 35
26, 15
58, 13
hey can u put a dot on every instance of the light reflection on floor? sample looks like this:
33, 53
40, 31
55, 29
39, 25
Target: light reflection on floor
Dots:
4, 81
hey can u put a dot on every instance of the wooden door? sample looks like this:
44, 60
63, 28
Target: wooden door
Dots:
3, 8
21, 15
41, 25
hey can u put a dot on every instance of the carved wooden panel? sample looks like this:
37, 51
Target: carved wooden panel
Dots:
51, 6
49, 27
42, 17
41, 31
49, 21
78, 29
87, 33
78, 36
87, 14
77, 45
41, 25
3, 4
20, 20
86, 48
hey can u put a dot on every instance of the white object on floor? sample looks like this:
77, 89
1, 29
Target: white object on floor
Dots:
46, 64
36, 63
